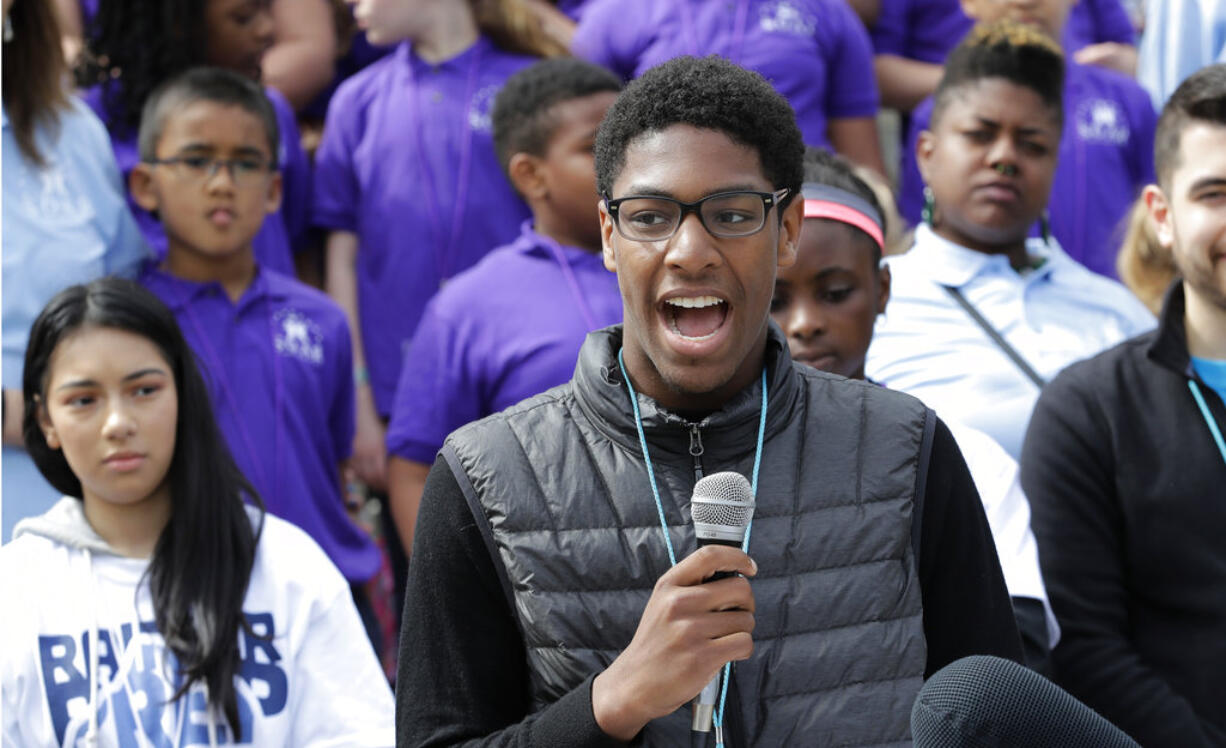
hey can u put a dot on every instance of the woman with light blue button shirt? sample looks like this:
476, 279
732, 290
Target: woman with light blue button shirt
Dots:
65, 220
981, 316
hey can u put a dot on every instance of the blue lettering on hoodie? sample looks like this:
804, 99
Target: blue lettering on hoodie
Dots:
150, 682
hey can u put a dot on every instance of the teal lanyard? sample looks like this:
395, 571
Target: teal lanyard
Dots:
718, 718
1204, 411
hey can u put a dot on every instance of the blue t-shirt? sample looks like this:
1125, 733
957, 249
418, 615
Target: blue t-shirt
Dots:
1213, 373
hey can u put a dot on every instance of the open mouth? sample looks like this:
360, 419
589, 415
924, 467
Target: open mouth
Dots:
696, 318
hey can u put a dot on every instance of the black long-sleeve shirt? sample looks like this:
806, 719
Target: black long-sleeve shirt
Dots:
463, 671
1128, 498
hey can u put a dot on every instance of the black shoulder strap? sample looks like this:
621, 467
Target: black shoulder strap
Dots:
996, 337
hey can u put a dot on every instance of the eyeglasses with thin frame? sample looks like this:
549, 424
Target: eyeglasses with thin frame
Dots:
244, 170
728, 215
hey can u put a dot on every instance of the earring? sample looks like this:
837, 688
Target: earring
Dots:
8, 29
929, 211
1045, 227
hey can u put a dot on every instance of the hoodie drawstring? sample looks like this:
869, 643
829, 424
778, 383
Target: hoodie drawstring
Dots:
95, 686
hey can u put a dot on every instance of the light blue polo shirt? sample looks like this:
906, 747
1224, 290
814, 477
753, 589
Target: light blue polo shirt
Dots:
63, 223
928, 346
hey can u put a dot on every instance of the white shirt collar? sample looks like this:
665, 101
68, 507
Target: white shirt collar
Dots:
951, 264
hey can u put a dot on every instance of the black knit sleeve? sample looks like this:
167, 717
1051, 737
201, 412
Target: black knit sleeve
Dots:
966, 605
462, 677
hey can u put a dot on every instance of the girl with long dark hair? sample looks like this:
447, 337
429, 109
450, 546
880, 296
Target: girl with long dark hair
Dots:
156, 603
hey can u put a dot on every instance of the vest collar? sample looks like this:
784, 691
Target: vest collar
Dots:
727, 434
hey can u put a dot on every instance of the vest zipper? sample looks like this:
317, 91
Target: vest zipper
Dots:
696, 450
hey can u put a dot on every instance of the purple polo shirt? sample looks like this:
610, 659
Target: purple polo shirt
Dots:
282, 231
1094, 21
507, 329
1106, 157
924, 30
573, 8
928, 30
279, 367
370, 180
815, 53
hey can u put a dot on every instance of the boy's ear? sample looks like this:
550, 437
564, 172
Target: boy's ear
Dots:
140, 184
789, 234
606, 237
273, 199
527, 177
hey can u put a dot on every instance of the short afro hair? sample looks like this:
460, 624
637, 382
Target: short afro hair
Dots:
1200, 98
206, 84
523, 118
1016, 52
832, 170
708, 93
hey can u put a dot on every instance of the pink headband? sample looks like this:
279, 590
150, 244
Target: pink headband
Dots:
824, 201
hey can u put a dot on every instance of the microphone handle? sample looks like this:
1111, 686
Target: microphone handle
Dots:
704, 702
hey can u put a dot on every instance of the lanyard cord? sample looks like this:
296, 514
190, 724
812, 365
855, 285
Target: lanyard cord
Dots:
445, 245
1209, 420
718, 717
219, 373
569, 273
738, 30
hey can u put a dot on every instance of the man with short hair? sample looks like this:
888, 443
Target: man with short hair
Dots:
555, 597
1124, 465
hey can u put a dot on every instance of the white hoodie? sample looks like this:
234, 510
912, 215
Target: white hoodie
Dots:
71, 605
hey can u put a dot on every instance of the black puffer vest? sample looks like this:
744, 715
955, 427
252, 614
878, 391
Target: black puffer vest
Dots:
560, 483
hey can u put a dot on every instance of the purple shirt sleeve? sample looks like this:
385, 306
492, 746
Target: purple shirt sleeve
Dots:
342, 416
1144, 122
336, 192
851, 88
439, 389
910, 183
889, 33
295, 172
605, 38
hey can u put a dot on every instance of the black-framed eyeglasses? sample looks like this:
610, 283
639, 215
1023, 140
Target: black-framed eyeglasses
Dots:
648, 218
244, 170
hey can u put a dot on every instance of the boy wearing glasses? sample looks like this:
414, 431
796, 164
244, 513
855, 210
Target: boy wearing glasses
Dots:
276, 353
543, 605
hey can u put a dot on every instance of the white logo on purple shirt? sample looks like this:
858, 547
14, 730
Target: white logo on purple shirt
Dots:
298, 336
1102, 121
785, 17
481, 107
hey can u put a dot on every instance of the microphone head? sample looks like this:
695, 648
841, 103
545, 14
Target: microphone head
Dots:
721, 508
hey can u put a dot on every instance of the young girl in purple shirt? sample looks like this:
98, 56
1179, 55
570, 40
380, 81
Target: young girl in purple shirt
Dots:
406, 182
134, 45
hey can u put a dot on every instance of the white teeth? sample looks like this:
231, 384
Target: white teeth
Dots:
695, 302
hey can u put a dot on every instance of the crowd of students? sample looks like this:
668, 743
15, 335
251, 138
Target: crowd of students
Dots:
221, 333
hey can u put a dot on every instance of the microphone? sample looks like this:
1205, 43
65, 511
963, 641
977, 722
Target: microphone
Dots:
983, 700
721, 508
